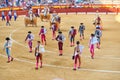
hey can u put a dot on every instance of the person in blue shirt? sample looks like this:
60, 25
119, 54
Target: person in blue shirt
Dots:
29, 38
98, 34
7, 48
3, 16
81, 30
15, 15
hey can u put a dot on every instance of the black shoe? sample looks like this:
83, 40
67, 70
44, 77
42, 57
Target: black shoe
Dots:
12, 59
36, 68
92, 57
78, 67
40, 66
74, 69
30, 51
60, 54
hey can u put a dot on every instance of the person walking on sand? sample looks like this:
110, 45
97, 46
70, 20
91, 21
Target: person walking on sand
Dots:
7, 48
60, 38
77, 55
39, 50
29, 38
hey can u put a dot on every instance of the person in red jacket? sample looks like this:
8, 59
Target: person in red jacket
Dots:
72, 34
39, 50
77, 55
42, 34
29, 38
54, 29
60, 38
7, 20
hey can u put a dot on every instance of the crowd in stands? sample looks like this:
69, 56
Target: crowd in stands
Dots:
27, 3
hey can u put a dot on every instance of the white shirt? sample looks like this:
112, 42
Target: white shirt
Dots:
3, 14
8, 44
31, 37
71, 31
93, 40
81, 47
40, 49
98, 26
10, 13
15, 14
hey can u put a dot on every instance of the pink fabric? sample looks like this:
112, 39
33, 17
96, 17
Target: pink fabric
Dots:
42, 31
60, 51
37, 61
9, 58
98, 45
7, 18
30, 45
43, 38
92, 50
54, 35
77, 58
72, 44
75, 65
81, 37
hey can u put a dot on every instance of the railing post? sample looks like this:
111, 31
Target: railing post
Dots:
117, 11
66, 13
76, 12
107, 12
86, 12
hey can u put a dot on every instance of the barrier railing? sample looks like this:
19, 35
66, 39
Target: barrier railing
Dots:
67, 9
67, 6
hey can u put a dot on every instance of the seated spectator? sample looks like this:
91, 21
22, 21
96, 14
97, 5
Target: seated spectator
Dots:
10, 4
2, 5
92, 1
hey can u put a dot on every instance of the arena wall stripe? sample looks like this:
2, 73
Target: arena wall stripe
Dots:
106, 10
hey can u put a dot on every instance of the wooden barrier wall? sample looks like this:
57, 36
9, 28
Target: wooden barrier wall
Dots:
106, 10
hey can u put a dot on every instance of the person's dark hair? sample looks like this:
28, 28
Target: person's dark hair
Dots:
92, 35
60, 32
78, 42
81, 23
42, 26
7, 38
72, 26
29, 32
38, 41
53, 23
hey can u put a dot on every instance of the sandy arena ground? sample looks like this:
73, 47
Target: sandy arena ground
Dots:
105, 66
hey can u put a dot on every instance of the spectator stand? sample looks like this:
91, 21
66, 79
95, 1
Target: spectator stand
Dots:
68, 8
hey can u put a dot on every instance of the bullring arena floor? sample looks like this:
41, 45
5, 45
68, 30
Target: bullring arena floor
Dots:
105, 66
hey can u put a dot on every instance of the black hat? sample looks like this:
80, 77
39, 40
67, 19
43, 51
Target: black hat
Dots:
7, 38
38, 41
72, 26
42, 26
59, 32
77, 42
29, 32
81, 23
92, 35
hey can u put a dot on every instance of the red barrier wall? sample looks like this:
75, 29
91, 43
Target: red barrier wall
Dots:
69, 10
